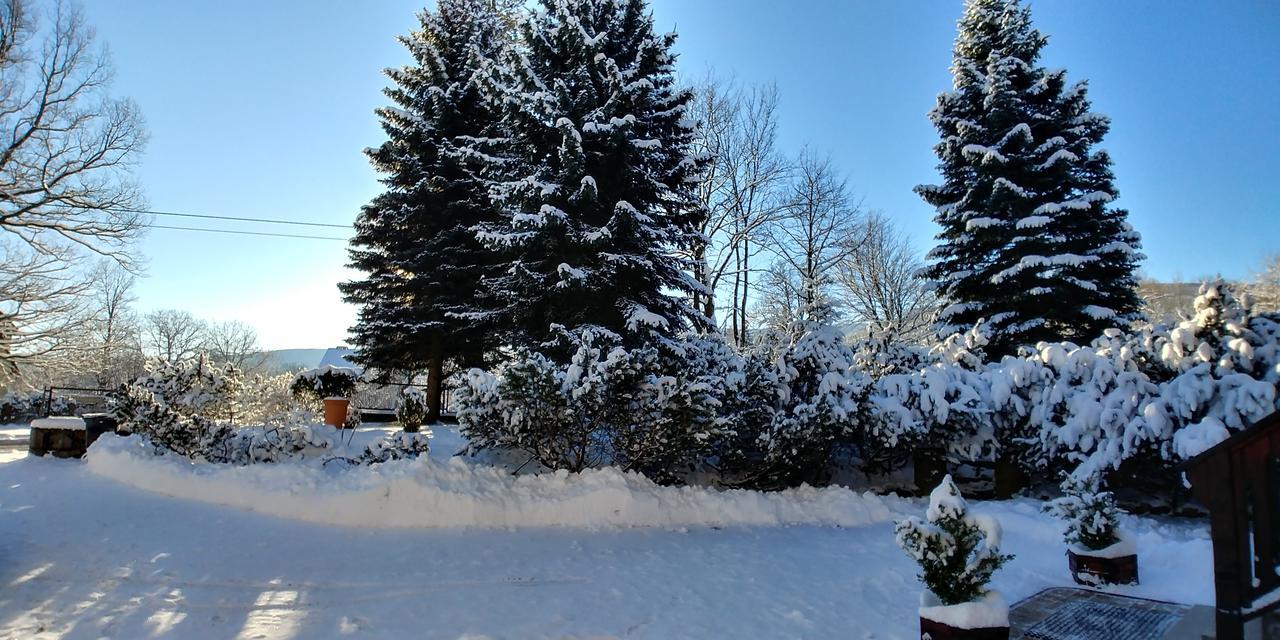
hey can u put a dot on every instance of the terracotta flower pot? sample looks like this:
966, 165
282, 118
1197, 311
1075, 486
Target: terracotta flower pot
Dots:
985, 619
1116, 564
335, 411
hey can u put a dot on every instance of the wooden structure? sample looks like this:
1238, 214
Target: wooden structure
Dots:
1239, 482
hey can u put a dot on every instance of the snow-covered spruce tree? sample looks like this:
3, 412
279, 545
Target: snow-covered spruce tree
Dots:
1028, 240
420, 301
957, 552
595, 176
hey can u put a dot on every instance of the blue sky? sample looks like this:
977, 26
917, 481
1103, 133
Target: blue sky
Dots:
261, 109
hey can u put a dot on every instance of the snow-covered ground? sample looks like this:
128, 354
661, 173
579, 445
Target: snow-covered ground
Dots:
86, 557
15, 433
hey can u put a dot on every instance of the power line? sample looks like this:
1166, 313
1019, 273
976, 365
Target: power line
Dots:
235, 218
246, 233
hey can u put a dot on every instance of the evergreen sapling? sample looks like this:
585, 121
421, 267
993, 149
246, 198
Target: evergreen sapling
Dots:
957, 552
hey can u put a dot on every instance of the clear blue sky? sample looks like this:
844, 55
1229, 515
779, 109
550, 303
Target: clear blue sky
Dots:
261, 109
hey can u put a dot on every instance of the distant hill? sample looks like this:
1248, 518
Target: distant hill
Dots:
282, 360
291, 359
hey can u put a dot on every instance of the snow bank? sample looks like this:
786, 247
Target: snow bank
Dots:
428, 493
69, 423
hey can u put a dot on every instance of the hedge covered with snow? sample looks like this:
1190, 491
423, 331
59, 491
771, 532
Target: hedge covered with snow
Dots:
1137, 401
428, 493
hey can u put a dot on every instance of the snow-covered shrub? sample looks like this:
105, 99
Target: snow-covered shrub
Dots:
1090, 513
822, 395
882, 353
680, 407
957, 552
265, 399
411, 411
142, 411
753, 395
1218, 367
397, 446
943, 406
181, 406
312, 386
23, 406
1086, 403
295, 442
194, 386
640, 409
20, 406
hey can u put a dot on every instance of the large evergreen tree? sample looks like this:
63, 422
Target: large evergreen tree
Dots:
418, 303
1028, 242
595, 175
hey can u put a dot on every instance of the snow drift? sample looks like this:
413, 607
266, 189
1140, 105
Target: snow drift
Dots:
430, 493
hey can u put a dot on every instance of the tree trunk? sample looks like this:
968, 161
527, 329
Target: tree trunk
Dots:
733, 314
435, 389
746, 283
1008, 476
930, 465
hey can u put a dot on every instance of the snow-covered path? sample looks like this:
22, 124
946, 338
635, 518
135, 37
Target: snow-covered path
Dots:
87, 558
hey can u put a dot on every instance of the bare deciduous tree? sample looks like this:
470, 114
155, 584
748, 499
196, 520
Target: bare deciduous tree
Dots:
818, 229
115, 355
169, 334
66, 149
878, 284
234, 343
41, 308
1265, 287
740, 190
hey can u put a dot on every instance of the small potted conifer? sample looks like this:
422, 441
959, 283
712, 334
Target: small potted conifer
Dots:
412, 411
957, 553
1098, 551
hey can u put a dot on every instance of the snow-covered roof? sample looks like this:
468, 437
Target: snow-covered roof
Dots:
339, 357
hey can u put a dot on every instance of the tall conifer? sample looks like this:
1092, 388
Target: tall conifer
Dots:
1029, 241
595, 175
418, 302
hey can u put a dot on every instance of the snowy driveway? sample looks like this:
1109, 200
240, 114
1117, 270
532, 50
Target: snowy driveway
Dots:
87, 558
